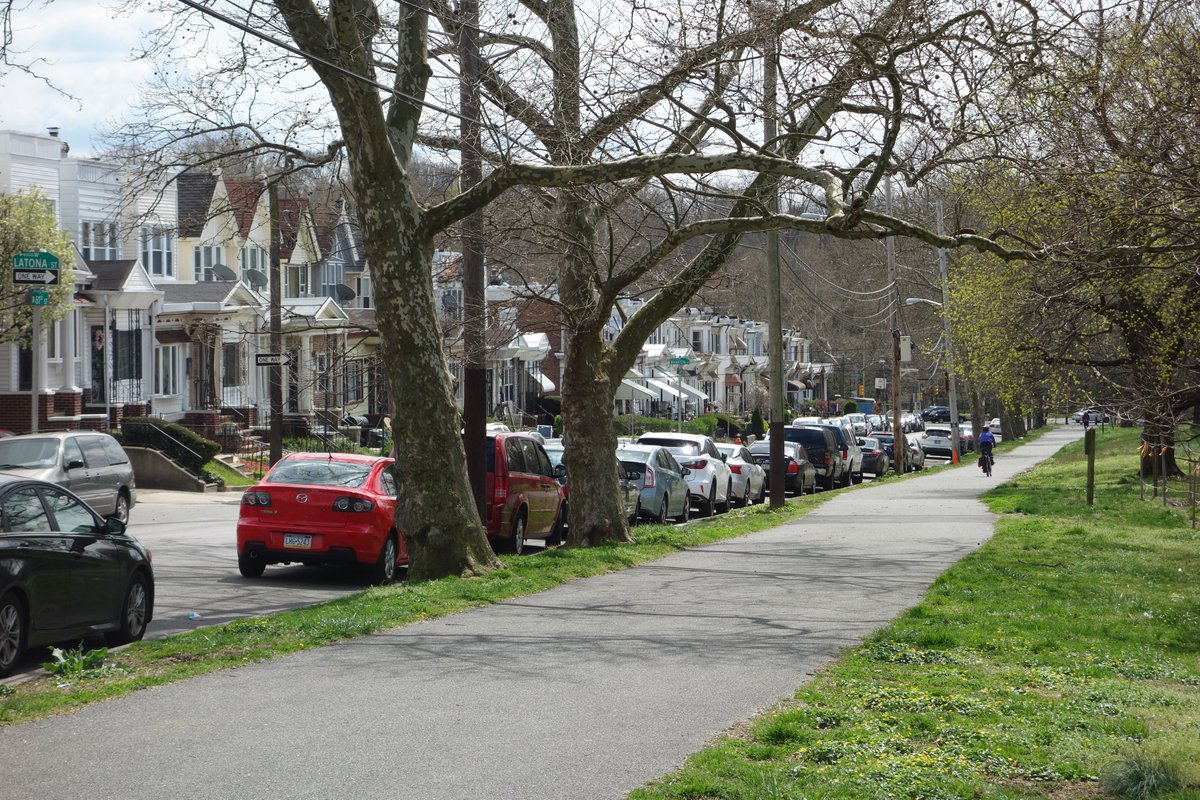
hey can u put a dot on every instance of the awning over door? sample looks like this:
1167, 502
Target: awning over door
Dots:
662, 387
628, 390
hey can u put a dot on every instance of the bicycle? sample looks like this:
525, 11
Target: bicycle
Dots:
986, 460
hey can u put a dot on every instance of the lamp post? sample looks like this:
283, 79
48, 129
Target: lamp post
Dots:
953, 388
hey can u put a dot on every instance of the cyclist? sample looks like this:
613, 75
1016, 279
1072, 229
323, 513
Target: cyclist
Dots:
987, 441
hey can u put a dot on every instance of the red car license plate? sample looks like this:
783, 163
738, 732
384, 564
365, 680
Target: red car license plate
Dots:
298, 541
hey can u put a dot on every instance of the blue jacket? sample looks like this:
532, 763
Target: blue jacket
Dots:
987, 437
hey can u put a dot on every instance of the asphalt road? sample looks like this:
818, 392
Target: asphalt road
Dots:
585, 691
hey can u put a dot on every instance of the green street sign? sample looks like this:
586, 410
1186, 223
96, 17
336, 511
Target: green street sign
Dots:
36, 268
39, 297
680, 360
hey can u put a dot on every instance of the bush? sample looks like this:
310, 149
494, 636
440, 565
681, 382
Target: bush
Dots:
183, 446
851, 407
758, 426
558, 426
1141, 777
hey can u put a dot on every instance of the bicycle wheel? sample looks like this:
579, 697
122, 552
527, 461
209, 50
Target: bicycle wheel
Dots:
987, 466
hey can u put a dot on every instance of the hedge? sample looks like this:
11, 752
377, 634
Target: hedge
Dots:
183, 446
632, 425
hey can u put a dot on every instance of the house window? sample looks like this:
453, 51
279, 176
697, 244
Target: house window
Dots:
331, 276
166, 370
231, 365
324, 368
52, 342
158, 250
98, 241
355, 380
205, 257
297, 280
698, 341
127, 361
362, 287
253, 257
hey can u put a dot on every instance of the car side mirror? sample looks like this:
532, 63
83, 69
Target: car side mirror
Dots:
685, 471
633, 475
724, 458
560, 473
74, 463
114, 525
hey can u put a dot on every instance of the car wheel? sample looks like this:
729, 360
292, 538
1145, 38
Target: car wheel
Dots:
709, 506
830, 481
559, 534
12, 632
122, 510
686, 514
516, 542
134, 611
384, 569
637, 513
665, 511
762, 493
251, 567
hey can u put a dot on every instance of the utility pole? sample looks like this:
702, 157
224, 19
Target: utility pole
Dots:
951, 386
275, 371
474, 297
775, 309
899, 447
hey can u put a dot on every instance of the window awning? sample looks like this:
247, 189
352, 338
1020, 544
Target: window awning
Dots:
797, 386
172, 337
628, 390
733, 380
662, 387
696, 393
546, 384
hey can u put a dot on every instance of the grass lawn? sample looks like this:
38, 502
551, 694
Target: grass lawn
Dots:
1059, 661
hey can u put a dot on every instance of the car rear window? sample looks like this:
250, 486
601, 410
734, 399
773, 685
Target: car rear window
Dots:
116, 455
31, 453
809, 437
319, 472
515, 456
93, 451
633, 466
634, 456
676, 445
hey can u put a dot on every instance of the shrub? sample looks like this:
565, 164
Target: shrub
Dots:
185, 447
758, 426
1141, 777
558, 426
851, 407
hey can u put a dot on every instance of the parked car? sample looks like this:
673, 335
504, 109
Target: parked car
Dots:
66, 572
821, 445
664, 494
936, 441
851, 454
89, 463
858, 422
522, 496
1095, 416
749, 480
710, 480
916, 456
322, 508
994, 424
799, 472
554, 451
936, 414
875, 460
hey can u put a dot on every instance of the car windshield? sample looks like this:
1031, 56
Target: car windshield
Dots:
556, 455
315, 472
726, 449
938, 432
28, 453
870, 444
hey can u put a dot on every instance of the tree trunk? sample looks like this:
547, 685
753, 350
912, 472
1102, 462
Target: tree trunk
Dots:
590, 445
1158, 451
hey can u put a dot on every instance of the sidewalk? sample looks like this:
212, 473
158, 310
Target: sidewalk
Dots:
585, 691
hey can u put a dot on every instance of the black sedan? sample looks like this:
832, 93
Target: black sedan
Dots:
66, 572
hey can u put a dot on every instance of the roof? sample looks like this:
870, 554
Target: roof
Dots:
111, 275
194, 192
291, 217
205, 292
244, 194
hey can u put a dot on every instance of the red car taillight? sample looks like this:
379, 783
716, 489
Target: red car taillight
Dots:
793, 467
701, 464
255, 497
827, 461
499, 489
356, 504
649, 484
736, 469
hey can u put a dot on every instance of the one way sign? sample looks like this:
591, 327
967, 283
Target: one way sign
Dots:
270, 359
35, 268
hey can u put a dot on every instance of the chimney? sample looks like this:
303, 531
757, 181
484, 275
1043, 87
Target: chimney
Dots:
53, 132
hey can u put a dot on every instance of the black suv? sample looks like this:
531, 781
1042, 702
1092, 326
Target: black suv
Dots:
821, 444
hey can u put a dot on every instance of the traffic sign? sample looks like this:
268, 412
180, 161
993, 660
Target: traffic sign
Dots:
35, 268
39, 297
270, 359
680, 360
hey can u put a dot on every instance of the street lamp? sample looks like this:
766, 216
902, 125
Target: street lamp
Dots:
953, 388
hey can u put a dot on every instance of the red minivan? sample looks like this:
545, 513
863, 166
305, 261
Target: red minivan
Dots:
523, 498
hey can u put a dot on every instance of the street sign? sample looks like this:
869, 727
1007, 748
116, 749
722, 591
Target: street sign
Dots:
39, 297
680, 360
35, 268
881, 383
270, 359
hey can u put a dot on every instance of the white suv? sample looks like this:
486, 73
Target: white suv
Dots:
710, 483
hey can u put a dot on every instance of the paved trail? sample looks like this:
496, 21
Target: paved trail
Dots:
586, 691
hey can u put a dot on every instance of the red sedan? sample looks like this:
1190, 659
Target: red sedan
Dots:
322, 508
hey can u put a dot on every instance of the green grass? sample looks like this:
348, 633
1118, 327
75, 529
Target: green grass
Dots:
151, 663
1060, 660
230, 475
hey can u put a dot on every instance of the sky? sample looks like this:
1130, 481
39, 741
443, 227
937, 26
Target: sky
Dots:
86, 49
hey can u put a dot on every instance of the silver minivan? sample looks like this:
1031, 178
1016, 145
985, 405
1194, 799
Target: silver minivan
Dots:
91, 464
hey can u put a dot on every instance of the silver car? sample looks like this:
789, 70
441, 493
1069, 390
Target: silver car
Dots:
749, 479
89, 463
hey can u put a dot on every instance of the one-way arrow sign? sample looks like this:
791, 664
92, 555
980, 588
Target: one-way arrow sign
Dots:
35, 277
270, 359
